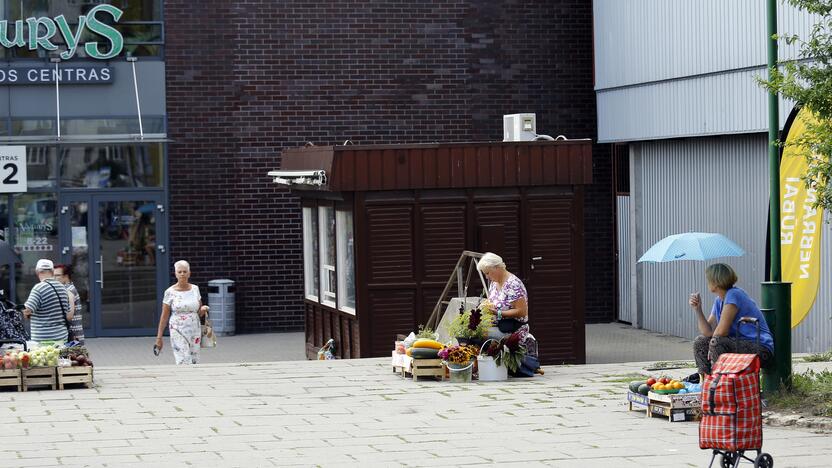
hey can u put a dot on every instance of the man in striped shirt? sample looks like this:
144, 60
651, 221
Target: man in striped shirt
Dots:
47, 305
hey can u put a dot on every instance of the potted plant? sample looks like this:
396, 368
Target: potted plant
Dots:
471, 326
460, 361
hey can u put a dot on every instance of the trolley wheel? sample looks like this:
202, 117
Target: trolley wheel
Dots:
728, 460
764, 460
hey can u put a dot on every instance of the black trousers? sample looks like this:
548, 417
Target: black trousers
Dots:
706, 346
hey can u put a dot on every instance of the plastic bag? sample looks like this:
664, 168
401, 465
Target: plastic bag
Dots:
326, 352
411, 338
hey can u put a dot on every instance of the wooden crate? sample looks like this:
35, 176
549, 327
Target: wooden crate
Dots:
427, 368
75, 375
11, 378
39, 376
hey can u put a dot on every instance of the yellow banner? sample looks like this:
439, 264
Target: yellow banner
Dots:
800, 224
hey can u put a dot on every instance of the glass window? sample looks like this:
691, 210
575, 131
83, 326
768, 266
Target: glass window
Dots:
70, 127
40, 166
36, 236
112, 166
311, 273
326, 220
33, 127
346, 261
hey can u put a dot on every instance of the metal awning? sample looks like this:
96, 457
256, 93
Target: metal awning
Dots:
316, 178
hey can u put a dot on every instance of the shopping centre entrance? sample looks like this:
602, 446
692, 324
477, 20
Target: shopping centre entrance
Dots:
114, 242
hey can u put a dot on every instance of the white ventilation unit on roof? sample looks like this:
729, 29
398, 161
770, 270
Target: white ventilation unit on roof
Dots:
519, 127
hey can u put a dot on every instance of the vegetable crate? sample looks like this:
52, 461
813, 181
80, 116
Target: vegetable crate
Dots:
407, 366
676, 408
11, 378
75, 375
642, 402
39, 376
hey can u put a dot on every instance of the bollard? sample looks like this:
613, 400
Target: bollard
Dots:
777, 301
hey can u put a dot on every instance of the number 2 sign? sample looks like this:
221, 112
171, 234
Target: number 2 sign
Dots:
12, 169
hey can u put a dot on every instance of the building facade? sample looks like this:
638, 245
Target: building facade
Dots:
266, 76
84, 177
676, 92
155, 142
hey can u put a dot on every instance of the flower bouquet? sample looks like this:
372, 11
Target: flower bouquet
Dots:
459, 360
471, 326
508, 352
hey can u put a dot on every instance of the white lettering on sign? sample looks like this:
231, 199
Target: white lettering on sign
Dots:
809, 231
12, 169
787, 223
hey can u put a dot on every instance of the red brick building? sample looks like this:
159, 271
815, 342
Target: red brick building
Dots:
248, 79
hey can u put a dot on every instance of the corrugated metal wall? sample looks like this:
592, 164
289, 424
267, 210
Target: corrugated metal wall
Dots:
714, 185
654, 58
641, 41
625, 265
707, 105
681, 191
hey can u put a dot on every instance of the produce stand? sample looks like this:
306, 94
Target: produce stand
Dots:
45, 366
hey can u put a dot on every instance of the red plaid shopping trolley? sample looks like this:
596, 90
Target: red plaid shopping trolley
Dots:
731, 411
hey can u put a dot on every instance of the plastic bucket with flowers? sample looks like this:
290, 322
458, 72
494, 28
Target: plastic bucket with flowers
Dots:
460, 362
489, 370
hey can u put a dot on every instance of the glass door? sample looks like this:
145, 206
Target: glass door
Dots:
118, 260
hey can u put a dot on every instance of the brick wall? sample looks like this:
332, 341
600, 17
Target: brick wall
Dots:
249, 78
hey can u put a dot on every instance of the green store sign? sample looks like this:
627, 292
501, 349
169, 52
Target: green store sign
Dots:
42, 30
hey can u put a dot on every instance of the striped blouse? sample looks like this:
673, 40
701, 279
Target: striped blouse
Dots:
48, 319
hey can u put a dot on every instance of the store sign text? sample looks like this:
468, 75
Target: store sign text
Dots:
41, 31
47, 75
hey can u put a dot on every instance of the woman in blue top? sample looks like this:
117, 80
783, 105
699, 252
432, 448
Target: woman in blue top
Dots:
721, 331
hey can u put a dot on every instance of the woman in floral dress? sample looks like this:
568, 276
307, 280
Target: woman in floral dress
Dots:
181, 310
509, 298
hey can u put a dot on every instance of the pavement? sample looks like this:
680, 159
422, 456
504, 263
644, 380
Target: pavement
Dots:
605, 343
280, 410
356, 413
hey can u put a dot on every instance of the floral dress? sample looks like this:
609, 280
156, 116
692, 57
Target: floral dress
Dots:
502, 299
185, 329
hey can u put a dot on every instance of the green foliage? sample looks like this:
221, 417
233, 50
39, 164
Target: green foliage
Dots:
808, 81
462, 327
820, 357
811, 393
426, 332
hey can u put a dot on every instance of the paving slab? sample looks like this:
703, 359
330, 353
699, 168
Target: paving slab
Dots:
358, 413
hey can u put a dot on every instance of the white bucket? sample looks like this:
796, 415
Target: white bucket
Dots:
489, 370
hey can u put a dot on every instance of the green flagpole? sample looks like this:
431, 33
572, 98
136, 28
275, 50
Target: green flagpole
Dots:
776, 296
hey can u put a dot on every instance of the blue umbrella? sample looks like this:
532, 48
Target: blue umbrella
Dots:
692, 246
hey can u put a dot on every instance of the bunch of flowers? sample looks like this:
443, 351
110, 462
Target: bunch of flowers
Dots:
471, 324
458, 354
508, 351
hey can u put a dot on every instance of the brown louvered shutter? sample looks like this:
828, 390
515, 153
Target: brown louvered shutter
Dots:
552, 281
392, 286
443, 240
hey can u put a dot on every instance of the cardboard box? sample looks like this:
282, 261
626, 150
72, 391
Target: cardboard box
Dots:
642, 402
674, 414
685, 400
